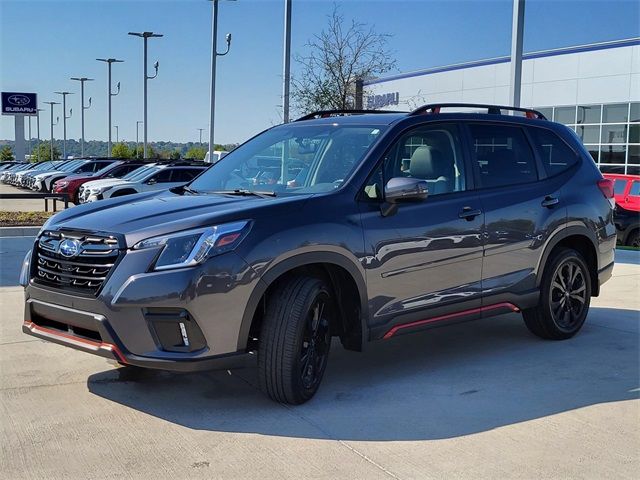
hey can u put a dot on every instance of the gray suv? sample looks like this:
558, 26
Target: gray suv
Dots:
357, 225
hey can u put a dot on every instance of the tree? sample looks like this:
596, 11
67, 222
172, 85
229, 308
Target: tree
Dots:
151, 153
42, 152
196, 153
337, 57
175, 155
121, 150
6, 154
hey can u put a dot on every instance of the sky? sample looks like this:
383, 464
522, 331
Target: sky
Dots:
43, 43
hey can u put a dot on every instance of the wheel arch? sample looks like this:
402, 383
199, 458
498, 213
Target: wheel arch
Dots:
336, 268
580, 239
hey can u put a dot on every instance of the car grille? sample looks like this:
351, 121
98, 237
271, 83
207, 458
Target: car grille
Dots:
83, 272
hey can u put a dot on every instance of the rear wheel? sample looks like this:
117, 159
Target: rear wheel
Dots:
565, 294
634, 239
295, 340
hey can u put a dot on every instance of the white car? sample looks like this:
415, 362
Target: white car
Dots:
217, 156
154, 177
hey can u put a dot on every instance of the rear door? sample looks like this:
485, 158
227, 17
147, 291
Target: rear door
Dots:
519, 178
423, 260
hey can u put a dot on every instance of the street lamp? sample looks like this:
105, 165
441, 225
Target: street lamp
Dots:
214, 55
109, 61
64, 121
200, 130
38, 125
145, 36
117, 140
83, 108
286, 64
51, 104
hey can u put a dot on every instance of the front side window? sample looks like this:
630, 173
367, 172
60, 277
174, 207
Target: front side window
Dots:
163, 177
431, 153
292, 159
555, 153
502, 155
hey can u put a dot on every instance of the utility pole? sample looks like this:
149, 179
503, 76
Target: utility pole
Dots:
517, 40
286, 73
109, 61
214, 55
117, 137
38, 126
30, 149
51, 104
145, 36
83, 108
138, 122
64, 121
200, 130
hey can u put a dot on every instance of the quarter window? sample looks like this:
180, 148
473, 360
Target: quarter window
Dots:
635, 189
503, 155
555, 154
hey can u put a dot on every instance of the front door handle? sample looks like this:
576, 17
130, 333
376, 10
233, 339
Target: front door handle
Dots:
469, 214
550, 201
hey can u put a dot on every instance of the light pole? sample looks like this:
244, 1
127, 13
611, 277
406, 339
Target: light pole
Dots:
145, 36
83, 108
30, 149
117, 138
51, 104
138, 122
200, 130
64, 121
517, 40
214, 55
286, 67
109, 61
38, 126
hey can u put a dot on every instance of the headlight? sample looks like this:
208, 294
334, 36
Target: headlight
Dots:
61, 184
191, 247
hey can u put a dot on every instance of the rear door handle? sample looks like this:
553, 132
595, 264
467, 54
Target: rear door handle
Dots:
468, 213
550, 201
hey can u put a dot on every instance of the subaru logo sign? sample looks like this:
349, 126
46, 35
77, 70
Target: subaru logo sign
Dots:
18, 103
69, 248
19, 100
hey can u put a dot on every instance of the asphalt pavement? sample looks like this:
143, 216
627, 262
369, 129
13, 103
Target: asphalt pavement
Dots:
479, 400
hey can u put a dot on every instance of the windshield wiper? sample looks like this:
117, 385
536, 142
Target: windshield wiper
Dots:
245, 193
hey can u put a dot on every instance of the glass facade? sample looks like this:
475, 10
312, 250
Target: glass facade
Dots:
610, 132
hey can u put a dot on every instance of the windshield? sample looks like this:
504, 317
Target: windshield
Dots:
139, 173
291, 159
105, 169
71, 165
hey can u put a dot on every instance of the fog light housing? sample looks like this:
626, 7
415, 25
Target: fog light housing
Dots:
174, 330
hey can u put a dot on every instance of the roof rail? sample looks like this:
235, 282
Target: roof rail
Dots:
339, 113
491, 109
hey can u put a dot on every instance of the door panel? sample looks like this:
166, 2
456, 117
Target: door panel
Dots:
423, 259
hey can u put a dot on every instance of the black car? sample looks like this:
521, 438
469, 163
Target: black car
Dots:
371, 225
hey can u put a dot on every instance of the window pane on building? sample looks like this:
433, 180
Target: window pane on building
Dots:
589, 133
612, 169
547, 112
634, 154
615, 113
565, 115
634, 133
589, 113
633, 170
635, 112
613, 153
594, 151
614, 134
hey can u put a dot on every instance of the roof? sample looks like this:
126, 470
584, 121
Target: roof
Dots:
385, 118
628, 42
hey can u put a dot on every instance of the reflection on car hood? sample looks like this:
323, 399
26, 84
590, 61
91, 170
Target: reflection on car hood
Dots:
149, 214
104, 182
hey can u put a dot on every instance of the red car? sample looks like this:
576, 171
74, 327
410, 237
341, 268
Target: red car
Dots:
626, 191
71, 184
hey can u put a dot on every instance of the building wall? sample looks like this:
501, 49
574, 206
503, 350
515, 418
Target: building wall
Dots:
572, 85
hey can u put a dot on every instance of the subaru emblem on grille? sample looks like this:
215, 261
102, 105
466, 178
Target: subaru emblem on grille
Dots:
69, 248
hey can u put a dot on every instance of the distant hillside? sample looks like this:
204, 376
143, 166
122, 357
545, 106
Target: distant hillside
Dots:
96, 148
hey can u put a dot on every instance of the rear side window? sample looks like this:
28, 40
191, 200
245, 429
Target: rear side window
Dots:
184, 174
503, 155
555, 153
635, 189
619, 186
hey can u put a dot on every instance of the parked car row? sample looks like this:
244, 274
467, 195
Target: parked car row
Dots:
626, 215
104, 177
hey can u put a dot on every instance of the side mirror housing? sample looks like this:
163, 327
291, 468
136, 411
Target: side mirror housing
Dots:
402, 189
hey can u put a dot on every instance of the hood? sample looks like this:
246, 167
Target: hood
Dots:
104, 182
47, 173
145, 215
78, 176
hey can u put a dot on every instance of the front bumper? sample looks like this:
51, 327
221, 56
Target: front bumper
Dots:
120, 322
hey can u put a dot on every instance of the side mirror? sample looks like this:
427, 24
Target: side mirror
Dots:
402, 189
151, 181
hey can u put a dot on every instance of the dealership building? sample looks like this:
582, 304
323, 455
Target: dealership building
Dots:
594, 89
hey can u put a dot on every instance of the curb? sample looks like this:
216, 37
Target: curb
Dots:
19, 231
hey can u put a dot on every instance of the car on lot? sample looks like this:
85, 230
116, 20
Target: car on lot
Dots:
160, 176
27, 178
45, 182
15, 177
626, 191
71, 185
400, 222
217, 156
84, 192
7, 172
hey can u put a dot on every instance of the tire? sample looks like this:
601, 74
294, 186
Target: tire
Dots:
559, 315
295, 340
633, 240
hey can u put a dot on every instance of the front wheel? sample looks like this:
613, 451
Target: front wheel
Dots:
295, 340
565, 294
